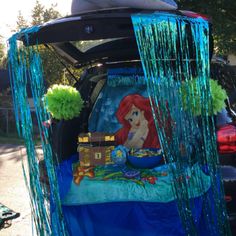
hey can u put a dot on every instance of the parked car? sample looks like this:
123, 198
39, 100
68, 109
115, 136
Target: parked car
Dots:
115, 45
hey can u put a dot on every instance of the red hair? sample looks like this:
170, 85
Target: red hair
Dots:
143, 104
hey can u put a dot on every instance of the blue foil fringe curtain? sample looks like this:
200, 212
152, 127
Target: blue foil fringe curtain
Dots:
174, 50
25, 68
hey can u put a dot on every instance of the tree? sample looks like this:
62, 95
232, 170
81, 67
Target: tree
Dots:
223, 17
51, 13
2, 48
37, 14
21, 22
41, 15
2, 53
54, 71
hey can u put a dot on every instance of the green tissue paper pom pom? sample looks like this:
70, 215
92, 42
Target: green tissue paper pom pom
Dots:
63, 102
191, 97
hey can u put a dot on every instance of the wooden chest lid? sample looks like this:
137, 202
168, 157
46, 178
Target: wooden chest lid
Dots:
96, 137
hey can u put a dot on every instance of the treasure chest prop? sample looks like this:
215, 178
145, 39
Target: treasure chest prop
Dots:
95, 148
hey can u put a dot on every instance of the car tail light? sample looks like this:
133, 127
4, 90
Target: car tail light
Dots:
228, 198
226, 139
195, 15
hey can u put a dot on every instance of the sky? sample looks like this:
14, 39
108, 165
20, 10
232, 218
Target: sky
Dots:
9, 11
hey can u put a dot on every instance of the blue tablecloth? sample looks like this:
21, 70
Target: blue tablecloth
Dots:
130, 218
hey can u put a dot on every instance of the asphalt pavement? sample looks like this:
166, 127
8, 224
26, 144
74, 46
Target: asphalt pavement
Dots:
13, 191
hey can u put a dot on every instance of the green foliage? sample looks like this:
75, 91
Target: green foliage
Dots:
21, 22
2, 53
53, 69
50, 13
191, 96
63, 102
223, 17
41, 15
37, 14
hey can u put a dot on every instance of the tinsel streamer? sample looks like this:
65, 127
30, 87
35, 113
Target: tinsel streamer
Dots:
174, 49
25, 68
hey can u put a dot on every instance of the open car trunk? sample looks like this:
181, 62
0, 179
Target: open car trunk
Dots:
83, 39
103, 42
